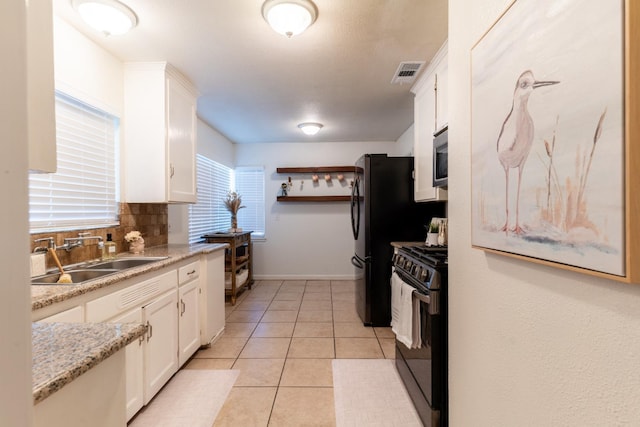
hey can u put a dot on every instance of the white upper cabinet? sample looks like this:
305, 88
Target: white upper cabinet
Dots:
430, 114
40, 87
159, 135
442, 93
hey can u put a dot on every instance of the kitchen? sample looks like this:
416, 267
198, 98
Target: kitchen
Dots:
501, 310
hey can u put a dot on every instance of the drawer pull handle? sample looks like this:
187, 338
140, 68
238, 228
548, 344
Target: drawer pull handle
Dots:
149, 331
191, 272
183, 308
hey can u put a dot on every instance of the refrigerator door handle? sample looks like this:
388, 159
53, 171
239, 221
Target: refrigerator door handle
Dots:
357, 262
355, 201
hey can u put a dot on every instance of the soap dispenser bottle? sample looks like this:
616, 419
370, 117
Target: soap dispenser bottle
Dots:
109, 248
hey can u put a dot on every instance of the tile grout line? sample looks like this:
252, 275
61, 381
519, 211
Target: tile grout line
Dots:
273, 404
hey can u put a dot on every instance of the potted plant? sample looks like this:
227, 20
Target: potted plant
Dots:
432, 234
233, 202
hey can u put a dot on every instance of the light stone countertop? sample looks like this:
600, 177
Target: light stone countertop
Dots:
64, 351
61, 352
45, 295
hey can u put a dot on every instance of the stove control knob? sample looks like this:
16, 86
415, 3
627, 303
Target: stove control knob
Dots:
424, 274
414, 270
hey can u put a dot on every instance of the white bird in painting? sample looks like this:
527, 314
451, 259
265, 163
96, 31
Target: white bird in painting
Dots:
516, 137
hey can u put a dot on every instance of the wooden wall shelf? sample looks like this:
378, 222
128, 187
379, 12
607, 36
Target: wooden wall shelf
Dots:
351, 170
317, 169
314, 198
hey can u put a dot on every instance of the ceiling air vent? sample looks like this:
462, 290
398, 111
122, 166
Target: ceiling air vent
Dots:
407, 72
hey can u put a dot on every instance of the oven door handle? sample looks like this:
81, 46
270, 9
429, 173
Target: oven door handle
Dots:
424, 298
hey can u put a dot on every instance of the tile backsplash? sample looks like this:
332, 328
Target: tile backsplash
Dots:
151, 219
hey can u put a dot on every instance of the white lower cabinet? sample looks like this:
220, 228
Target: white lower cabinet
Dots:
169, 302
150, 362
134, 355
189, 321
212, 295
160, 355
95, 398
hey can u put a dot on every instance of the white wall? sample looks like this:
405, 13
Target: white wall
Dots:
529, 345
86, 71
16, 395
304, 240
215, 146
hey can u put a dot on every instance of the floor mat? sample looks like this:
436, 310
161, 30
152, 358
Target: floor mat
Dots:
370, 392
193, 398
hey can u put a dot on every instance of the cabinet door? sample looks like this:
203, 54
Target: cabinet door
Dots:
442, 94
189, 326
134, 366
161, 348
181, 122
424, 127
212, 297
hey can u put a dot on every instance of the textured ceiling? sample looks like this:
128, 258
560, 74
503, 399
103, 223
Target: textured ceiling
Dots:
256, 85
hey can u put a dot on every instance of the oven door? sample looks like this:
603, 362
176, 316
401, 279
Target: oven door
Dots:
423, 370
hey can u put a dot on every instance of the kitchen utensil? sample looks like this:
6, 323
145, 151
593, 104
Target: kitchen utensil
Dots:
64, 277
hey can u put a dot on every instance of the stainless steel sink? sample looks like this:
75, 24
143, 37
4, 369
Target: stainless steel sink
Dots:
82, 273
77, 276
124, 263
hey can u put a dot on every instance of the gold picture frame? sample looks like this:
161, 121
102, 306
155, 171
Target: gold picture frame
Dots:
554, 168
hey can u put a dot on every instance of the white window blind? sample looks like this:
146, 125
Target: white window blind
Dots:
249, 183
83, 191
209, 214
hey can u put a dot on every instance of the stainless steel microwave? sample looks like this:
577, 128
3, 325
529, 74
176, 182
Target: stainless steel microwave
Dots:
440, 157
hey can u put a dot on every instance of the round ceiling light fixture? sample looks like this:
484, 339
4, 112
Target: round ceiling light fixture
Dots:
310, 128
289, 17
110, 17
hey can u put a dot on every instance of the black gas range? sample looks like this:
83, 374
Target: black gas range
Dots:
424, 370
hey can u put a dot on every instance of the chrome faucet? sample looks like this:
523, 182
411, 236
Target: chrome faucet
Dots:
51, 244
74, 242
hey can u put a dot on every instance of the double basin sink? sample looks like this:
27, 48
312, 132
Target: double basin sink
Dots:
83, 273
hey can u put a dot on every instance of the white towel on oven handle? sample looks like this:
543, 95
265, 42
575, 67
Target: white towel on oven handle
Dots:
396, 293
405, 313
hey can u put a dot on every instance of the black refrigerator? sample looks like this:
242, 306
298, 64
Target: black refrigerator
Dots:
383, 211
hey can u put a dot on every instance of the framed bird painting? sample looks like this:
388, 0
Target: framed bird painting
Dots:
550, 147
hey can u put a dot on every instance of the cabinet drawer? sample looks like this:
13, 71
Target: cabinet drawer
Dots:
188, 272
136, 295
73, 315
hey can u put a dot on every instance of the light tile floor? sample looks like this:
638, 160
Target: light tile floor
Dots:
282, 336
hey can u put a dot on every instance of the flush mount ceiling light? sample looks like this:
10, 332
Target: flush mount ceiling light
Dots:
107, 16
310, 128
289, 17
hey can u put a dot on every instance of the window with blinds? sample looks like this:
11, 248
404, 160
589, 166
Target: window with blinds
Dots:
209, 214
83, 193
249, 183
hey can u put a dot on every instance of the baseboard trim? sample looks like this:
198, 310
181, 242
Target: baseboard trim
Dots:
302, 277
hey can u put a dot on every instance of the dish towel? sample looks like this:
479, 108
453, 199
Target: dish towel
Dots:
405, 313
396, 291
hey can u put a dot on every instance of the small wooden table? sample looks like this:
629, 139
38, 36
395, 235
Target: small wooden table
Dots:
237, 258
